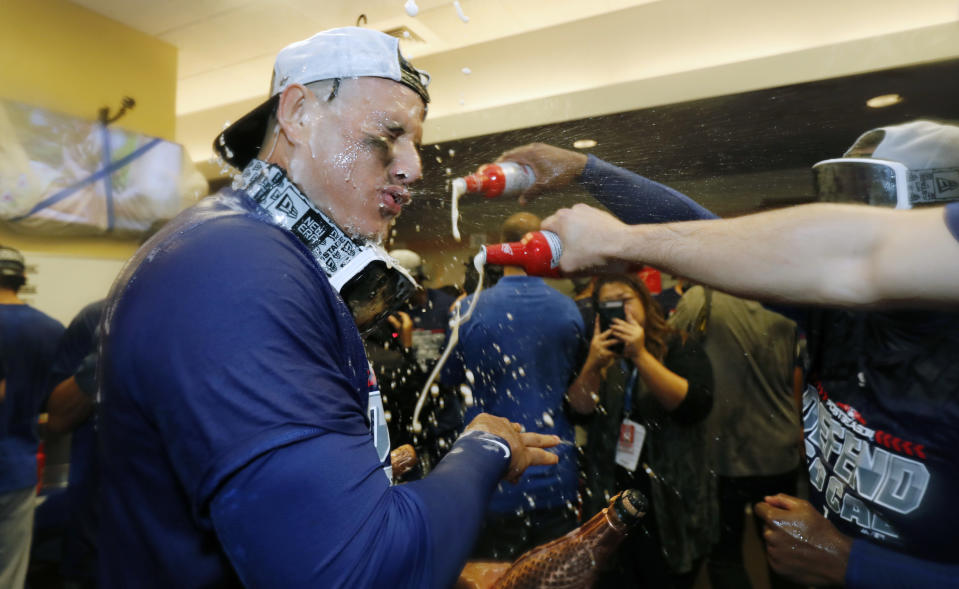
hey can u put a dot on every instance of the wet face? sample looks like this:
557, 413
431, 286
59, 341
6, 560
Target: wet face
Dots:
620, 291
361, 153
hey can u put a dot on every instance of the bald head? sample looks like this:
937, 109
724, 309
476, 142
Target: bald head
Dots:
518, 225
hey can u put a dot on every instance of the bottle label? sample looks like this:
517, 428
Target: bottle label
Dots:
517, 177
555, 248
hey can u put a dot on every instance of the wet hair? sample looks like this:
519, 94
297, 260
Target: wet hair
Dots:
657, 330
412, 78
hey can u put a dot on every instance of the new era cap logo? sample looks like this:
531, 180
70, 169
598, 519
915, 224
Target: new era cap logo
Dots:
945, 185
286, 206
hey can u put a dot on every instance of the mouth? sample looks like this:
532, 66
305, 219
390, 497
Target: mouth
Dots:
393, 199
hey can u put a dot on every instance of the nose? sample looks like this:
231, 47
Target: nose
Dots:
406, 166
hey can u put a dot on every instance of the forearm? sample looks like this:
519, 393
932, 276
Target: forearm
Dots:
584, 391
798, 254
456, 494
68, 406
637, 199
824, 254
872, 567
668, 387
284, 522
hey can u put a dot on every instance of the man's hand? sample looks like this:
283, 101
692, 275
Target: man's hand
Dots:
554, 167
590, 238
526, 449
801, 544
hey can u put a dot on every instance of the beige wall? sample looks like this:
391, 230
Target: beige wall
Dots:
65, 58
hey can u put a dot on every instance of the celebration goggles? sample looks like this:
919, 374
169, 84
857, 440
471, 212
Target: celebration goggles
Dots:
883, 183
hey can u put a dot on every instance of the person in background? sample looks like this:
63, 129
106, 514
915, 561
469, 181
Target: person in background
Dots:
648, 400
28, 339
244, 442
518, 354
669, 298
71, 409
753, 430
879, 413
403, 351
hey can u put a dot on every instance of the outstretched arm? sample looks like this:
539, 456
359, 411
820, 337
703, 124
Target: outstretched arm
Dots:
828, 254
631, 197
319, 512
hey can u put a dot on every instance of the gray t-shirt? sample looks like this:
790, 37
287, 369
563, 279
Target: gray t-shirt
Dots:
754, 425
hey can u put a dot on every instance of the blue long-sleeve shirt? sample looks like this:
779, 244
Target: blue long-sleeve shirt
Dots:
239, 429
636, 200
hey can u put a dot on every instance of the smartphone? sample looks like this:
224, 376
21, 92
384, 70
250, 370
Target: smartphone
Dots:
607, 311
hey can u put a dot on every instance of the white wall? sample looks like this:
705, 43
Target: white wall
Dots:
62, 285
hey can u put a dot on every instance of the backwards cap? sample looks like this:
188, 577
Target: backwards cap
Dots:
347, 52
11, 262
918, 145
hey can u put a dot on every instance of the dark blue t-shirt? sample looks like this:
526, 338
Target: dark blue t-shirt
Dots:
522, 349
76, 357
952, 218
28, 339
236, 441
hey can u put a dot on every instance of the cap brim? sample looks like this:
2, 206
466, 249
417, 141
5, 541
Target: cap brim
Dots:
240, 142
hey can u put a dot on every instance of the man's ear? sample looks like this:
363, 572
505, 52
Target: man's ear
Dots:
292, 112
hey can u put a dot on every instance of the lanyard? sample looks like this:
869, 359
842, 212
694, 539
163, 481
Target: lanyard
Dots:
630, 386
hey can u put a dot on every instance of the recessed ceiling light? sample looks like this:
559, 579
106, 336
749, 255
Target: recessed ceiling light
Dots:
883, 101
584, 143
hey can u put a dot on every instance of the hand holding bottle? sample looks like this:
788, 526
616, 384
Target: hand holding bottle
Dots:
554, 167
592, 240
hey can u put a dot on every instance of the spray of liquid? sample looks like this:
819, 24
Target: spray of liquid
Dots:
459, 189
458, 319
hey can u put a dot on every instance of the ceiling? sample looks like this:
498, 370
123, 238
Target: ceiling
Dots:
526, 63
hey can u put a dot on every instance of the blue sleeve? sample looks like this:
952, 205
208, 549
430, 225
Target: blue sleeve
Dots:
952, 219
256, 353
342, 525
635, 199
873, 567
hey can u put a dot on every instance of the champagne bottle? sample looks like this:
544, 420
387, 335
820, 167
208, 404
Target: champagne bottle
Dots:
492, 180
537, 253
574, 561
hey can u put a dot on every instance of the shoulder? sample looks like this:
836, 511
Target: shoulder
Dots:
952, 218
235, 253
45, 323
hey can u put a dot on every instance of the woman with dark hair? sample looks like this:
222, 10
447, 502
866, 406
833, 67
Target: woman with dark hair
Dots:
648, 388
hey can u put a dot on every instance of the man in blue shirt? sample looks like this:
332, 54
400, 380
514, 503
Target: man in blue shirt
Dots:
243, 443
28, 339
880, 415
70, 409
517, 355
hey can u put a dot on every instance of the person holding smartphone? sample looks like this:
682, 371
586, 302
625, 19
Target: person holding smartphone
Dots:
648, 389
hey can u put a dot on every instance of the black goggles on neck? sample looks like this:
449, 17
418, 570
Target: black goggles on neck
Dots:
883, 183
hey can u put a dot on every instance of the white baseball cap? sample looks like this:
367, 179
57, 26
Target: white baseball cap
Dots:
918, 145
347, 52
